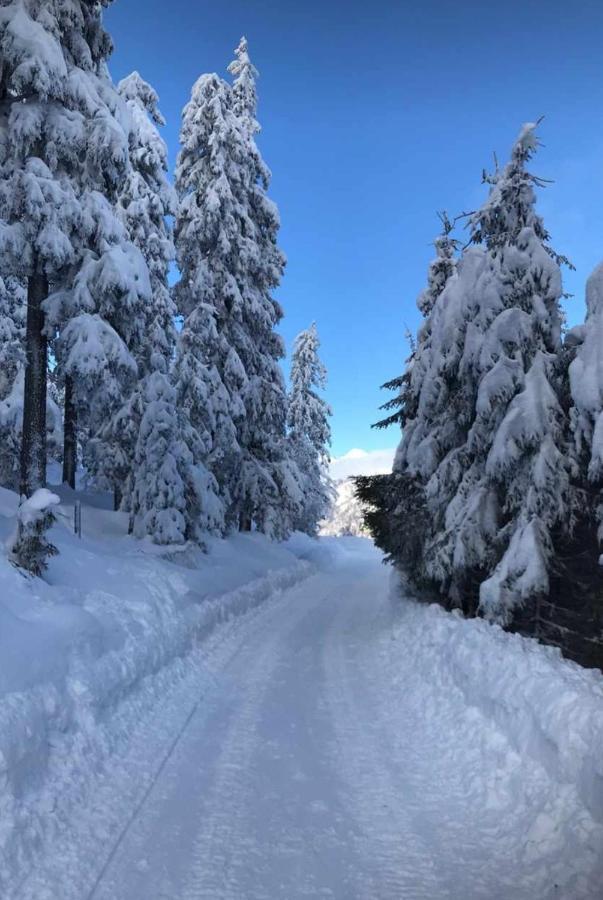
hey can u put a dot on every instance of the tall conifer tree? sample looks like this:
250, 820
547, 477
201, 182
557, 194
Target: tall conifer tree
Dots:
484, 426
227, 370
145, 198
266, 491
208, 374
309, 431
518, 436
63, 152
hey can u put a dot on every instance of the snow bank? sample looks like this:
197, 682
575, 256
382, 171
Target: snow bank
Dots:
111, 619
550, 709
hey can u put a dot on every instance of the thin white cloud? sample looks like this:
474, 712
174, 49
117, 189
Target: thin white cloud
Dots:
362, 462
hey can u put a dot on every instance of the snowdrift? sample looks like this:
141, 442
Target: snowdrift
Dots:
107, 631
549, 708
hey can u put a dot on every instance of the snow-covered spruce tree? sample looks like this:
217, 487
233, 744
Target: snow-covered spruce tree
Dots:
244, 89
266, 493
227, 366
146, 443
12, 359
485, 434
144, 200
30, 549
104, 311
174, 497
586, 390
433, 407
208, 374
586, 382
570, 615
13, 306
515, 489
420, 392
11, 430
309, 431
63, 151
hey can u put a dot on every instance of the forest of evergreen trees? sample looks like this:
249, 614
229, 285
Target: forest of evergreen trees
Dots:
495, 505
190, 427
172, 396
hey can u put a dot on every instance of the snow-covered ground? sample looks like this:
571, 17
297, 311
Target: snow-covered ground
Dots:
86, 654
336, 740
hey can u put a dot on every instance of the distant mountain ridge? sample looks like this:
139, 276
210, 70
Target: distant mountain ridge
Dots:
346, 514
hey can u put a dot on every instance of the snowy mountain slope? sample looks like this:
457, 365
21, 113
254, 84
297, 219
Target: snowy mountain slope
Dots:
343, 741
83, 653
345, 517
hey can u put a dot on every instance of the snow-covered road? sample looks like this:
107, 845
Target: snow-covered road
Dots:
309, 756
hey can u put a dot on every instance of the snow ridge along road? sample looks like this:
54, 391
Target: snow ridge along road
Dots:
323, 746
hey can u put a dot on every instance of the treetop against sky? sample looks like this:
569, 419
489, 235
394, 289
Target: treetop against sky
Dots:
374, 117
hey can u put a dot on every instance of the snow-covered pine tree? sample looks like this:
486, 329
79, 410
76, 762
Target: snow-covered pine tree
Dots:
244, 89
227, 367
309, 431
144, 200
13, 301
267, 490
145, 445
583, 347
515, 488
13, 306
11, 430
208, 374
174, 498
63, 151
419, 399
105, 314
485, 434
433, 407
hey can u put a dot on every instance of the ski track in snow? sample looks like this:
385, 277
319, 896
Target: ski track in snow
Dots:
304, 754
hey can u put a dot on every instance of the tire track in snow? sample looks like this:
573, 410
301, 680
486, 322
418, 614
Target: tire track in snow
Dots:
185, 689
223, 848
399, 861
260, 819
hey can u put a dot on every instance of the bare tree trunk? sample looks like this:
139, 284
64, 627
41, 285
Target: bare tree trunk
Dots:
70, 434
33, 446
245, 522
117, 498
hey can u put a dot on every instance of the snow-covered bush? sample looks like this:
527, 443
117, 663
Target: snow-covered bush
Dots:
30, 549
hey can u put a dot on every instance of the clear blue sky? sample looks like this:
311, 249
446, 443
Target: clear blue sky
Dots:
375, 115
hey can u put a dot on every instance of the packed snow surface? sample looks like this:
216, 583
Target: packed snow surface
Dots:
336, 740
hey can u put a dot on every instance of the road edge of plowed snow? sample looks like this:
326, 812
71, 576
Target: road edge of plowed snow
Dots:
549, 707
58, 737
